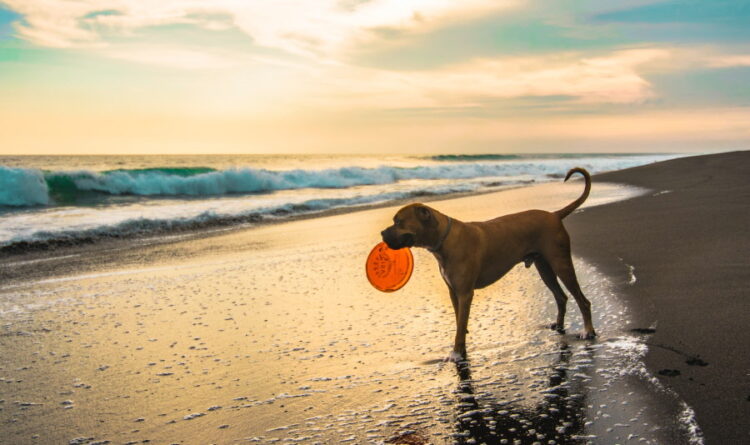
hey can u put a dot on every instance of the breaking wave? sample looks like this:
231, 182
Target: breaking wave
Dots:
42, 208
22, 187
29, 187
128, 226
26, 187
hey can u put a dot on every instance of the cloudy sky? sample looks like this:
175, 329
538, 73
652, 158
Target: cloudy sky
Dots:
333, 76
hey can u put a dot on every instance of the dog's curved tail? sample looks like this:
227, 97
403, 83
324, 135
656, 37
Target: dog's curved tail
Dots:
568, 209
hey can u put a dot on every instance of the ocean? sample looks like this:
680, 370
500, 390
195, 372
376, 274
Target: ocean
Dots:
50, 200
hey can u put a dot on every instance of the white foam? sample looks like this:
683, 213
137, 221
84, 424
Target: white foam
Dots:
631, 272
690, 425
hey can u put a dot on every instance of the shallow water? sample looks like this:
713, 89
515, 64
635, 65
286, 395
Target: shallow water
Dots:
281, 339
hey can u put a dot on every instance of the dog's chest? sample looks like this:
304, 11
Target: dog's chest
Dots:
445, 276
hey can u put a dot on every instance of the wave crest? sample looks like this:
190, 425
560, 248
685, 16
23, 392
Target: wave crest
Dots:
22, 187
26, 187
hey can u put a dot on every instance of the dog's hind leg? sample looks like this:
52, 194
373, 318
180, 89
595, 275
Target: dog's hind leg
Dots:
549, 278
562, 265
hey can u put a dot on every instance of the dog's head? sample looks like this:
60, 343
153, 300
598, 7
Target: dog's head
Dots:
413, 226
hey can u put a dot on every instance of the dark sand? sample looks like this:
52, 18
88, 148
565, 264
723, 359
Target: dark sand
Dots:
688, 243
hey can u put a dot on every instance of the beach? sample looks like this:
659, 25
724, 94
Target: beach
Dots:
679, 257
272, 334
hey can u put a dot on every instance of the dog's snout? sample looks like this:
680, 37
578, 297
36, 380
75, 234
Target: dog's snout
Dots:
391, 238
386, 234
397, 240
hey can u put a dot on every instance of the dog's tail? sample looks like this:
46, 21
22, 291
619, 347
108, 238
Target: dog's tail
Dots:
568, 209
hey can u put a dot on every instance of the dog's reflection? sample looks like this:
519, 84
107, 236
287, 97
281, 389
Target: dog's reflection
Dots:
558, 417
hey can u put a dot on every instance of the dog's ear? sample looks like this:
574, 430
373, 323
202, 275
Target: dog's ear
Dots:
425, 215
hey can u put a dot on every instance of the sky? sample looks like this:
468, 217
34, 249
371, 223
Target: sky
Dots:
373, 76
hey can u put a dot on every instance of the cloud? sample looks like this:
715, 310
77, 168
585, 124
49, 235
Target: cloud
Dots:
324, 32
612, 78
729, 61
319, 28
687, 58
172, 57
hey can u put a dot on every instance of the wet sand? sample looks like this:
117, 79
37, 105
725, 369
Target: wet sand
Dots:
273, 335
679, 257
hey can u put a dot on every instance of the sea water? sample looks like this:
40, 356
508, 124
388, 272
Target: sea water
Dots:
49, 199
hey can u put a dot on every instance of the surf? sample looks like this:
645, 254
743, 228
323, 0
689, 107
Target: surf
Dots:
27, 187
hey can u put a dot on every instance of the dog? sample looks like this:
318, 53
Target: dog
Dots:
473, 255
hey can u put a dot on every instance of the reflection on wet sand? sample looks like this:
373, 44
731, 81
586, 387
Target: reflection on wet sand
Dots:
557, 419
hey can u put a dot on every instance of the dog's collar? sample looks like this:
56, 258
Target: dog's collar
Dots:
442, 238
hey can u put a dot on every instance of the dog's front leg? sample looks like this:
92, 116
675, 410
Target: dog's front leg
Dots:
454, 301
462, 323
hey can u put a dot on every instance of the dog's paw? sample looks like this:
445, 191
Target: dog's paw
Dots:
454, 357
587, 335
557, 328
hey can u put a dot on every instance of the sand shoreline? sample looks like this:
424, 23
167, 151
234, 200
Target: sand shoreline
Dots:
679, 257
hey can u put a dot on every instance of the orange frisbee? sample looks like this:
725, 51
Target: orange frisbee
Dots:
389, 270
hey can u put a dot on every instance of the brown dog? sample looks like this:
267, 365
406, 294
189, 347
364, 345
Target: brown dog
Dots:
476, 254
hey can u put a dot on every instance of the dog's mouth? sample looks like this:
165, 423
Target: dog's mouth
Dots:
400, 241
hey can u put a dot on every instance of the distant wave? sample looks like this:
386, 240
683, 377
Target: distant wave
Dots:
480, 157
528, 157
26, 187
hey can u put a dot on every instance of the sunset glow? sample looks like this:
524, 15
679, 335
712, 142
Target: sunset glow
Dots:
231, 76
